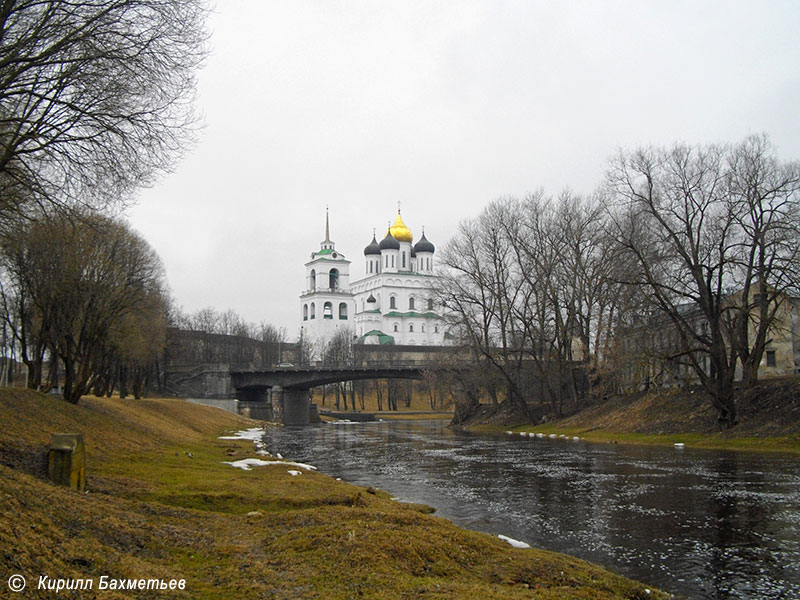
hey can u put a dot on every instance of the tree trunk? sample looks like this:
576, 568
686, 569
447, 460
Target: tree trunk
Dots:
379, 393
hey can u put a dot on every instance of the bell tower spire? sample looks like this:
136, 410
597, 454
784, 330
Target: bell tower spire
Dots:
327, 244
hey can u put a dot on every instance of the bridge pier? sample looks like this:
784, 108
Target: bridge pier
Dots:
254, 403
292, 406
276, 402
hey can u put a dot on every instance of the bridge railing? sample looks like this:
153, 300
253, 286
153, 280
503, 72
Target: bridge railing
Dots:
366, 364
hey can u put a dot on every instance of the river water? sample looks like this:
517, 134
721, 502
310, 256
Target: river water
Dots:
697, 523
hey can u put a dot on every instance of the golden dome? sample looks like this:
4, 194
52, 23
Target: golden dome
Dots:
399, 230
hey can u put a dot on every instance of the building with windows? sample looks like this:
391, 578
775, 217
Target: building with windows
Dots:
654, 354
393, 304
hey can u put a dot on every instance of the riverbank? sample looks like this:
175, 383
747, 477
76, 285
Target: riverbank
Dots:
162, 503
769, 420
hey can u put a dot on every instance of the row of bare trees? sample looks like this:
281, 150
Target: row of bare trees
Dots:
86, 296
701, 240
96, 100
210, 336
532, 292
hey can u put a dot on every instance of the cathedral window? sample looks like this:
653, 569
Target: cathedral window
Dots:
395, 326
305, 312
392, 302
327, 311
313, 280
423, 327
430, 303
343, 310
334, 279
411, 327
411, 303
404, 260
392, 260
313, 310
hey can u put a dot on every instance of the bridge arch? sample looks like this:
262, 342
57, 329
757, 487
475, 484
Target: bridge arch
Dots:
284, 392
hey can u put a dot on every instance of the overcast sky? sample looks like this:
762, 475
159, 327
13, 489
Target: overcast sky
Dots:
443, 107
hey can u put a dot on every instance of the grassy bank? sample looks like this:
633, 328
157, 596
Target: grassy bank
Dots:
162, 504
769, 419
717, 441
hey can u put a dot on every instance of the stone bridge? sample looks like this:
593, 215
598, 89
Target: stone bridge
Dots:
278, 393
282, 393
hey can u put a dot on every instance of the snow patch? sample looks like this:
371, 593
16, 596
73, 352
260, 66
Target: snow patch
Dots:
294, 473
246, 463
254, 434
513, 542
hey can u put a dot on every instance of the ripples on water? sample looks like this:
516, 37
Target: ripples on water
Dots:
700, 524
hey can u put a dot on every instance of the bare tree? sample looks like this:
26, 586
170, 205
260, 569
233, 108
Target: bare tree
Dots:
673, 219
764, 195
480, 289
340, 351
33, 279
713, 232
95, 97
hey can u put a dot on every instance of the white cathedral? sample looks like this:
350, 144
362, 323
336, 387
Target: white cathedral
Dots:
392, 304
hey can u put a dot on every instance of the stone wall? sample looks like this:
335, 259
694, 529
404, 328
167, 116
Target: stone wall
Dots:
202, 381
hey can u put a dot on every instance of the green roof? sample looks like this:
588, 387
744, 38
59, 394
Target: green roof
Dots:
383, 339
325, 251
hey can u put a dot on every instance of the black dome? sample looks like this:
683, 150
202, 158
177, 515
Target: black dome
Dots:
423, 245
389, 243
373, 247
371, 299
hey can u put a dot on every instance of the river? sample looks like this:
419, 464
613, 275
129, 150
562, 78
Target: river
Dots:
697, 523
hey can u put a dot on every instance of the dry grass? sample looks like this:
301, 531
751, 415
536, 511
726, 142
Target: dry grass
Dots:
769, 419
154, 511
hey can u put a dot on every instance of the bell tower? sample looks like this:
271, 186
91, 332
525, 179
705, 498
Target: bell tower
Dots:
326, 303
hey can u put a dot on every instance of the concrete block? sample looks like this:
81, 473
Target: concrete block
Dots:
66, 460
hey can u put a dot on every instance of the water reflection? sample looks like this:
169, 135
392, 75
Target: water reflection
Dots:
700, 524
